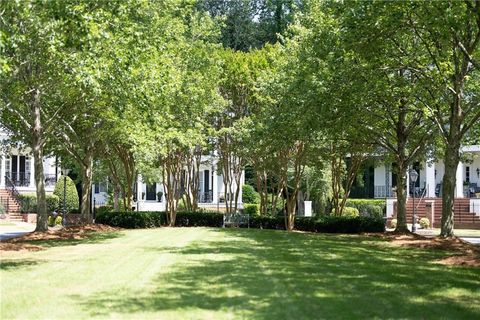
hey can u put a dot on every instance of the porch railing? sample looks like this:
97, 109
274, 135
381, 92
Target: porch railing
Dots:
19, 179
50, 180
205, 197
383, 192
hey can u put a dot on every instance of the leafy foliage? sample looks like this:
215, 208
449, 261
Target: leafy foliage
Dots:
71, 195
249, 195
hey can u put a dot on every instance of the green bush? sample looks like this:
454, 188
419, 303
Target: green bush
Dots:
2, 209
393, 223
251, 209
199, 219
249, 195
152, 219
424, 223
58, 220
350, 212
368, 207
334, 224
51, 221
133, 220
28, 202
72, 201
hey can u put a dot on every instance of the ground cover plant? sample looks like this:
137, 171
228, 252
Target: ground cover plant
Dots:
213, 273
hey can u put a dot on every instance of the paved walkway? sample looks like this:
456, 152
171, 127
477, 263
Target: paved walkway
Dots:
10, 229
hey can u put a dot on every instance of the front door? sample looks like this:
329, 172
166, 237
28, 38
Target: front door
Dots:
151, 192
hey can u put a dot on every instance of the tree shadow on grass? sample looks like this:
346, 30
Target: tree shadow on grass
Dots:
87, 238
17, 264
277, 275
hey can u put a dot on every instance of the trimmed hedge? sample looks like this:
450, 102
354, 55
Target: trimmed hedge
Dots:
328, 224
368, 207
71, 199
153, 219
28, 202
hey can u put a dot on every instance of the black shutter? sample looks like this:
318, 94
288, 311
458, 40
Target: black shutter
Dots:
206, 181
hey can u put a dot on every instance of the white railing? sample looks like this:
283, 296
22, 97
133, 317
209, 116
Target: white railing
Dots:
383, 192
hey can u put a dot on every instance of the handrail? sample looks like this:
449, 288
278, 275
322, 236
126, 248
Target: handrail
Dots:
9, 185
424, 193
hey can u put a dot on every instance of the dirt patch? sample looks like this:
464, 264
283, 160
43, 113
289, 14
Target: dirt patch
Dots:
27, 242
463, 253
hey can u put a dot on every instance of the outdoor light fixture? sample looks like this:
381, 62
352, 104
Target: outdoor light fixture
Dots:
65, 173
413, 178
478, 172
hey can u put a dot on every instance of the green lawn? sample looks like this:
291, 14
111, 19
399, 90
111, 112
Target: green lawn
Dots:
191, 273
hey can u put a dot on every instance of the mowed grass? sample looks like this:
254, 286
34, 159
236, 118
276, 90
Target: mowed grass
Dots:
200, 273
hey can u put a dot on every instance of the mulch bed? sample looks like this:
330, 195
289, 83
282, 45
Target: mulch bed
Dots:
463, 253
27, 242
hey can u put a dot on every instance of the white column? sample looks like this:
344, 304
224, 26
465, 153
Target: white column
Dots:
408, 183
139, 192
242, 182
2, 177
214, 183
430, 179
459, 184
32, 173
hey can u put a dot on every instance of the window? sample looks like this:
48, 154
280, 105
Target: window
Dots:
467, 174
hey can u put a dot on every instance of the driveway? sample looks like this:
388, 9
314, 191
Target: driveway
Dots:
11, 229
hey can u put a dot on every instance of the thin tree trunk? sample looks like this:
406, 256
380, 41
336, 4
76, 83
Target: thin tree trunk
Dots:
37, 146
85, 212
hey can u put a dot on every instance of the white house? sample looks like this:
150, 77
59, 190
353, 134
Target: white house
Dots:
431, 176
211, 193
17, 169
380, 182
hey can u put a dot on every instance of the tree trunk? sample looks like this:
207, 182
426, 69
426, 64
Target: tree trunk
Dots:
401, 200
448, 191
85, 212
37, 146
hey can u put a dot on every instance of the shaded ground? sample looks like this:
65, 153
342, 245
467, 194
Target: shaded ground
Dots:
200, 273
54, 237
460, 252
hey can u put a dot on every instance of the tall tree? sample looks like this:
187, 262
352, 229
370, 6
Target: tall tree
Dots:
30, 97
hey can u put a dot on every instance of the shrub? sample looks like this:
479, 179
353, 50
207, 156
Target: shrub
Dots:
51, 221
103, 209
71, 199
350, 212
393, 223
133, 220
28, 202
249, 195
2, 209
199, 219
58, 220
424, 223
268, 222
368, 207
251, 209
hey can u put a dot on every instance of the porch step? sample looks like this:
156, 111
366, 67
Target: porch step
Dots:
9, 202
462, 218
